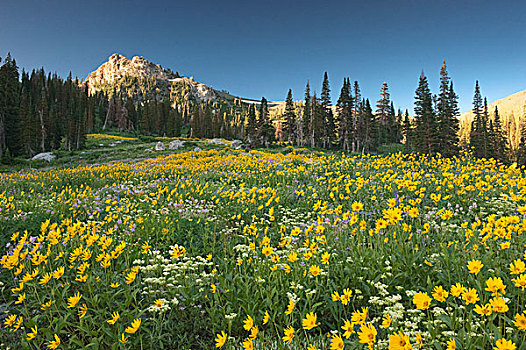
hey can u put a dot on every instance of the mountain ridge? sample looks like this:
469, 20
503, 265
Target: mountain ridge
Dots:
137, 75
144, 80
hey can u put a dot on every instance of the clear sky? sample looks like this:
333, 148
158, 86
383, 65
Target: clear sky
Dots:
263, 48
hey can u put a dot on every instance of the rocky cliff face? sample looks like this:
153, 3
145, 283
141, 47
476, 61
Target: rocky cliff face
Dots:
142, 80
119, 67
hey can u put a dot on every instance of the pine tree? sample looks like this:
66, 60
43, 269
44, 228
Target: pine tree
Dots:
399, 121
499, 141
425, 132
318, 123
110, 114
121, 117
251, 130
407, 131
369, 127
447, 113
383, 116
28, 136
178, 121
453, 125
132, 115
476, 140
487, 152
196, 122
307, 116
10, 108
289, 124
207, 127
329, 127
345, 107
266, 131
357, 98
521, 151
393, 126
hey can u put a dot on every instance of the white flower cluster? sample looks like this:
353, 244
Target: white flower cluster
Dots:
292, 296
168, 277
165, 306
295, 286
230, 316
291, 217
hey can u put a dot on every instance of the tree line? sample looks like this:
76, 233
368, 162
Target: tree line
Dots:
353, 126
40, 112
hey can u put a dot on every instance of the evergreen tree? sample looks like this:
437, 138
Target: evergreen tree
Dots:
252, 127
307, 116
369, 127
425, 132
453, 125
407, 131
476, 140
132, 115
447, 113
384, 118
393, 126
266, 131
195, 122
357, 98
207, 125
318, 123
10, 108
217, 121
399, 120
487, 152
345, 107
121, 116
288, 126
521, 151
499, 141
329, 127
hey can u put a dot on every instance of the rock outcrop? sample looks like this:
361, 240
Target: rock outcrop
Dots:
176, 144
47, 156
144, 80
236, 144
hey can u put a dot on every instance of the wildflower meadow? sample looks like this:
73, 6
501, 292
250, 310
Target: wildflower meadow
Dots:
288, 249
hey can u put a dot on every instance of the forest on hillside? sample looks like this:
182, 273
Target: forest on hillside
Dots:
41, 112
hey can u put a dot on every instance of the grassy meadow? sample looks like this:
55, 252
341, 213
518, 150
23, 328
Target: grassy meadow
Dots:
124, 247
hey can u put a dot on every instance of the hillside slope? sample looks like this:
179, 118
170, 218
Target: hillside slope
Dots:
512, 110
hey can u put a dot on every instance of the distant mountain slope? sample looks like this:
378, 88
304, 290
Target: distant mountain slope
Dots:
512, 110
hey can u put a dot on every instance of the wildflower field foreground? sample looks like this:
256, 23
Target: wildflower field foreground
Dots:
260, 250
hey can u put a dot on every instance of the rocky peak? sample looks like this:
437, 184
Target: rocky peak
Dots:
119, 67
121, 73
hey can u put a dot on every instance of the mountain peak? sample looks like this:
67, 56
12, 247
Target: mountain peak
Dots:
119, 69
117, 56
142, 80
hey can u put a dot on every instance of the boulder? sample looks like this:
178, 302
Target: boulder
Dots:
176, 144
160, 146
236, 144
216, 141
197, 149
47, 156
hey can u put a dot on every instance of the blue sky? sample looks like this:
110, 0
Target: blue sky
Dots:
263, 48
